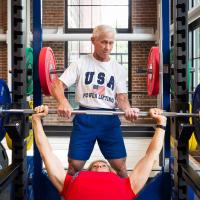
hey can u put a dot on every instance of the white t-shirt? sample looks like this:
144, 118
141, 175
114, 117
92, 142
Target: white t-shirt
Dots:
97, 83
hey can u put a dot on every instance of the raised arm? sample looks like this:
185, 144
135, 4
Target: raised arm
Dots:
64, 107
142, 170
53, 165
131, 114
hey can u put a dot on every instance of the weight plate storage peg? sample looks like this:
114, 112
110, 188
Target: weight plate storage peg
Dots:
5, 102
152, 78
47, 64
195, 109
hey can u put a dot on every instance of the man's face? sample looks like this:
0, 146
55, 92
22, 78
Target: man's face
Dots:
100, 167
103, 46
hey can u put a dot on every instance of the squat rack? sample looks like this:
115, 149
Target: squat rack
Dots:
187, 175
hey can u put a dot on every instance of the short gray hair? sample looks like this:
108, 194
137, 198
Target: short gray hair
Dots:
98, 30
103, 161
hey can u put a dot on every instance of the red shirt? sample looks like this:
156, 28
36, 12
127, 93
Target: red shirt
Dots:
97, 186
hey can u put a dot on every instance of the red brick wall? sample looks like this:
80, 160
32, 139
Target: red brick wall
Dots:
53, 13
144, 13
3, 60
1, 16
3, 46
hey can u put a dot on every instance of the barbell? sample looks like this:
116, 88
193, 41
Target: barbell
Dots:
99, 112
48, 71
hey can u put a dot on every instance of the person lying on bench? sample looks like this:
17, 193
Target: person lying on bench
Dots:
99, 182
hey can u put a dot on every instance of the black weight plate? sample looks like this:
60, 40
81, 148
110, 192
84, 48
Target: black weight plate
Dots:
196, 109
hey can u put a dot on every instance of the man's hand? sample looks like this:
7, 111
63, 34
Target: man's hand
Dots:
64, 109
156, 113
40, 112
131, 114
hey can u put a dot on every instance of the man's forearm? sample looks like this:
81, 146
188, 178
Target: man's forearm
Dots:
156, 144
58, 91
122, 101
40, 137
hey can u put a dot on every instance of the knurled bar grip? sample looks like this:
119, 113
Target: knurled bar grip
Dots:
100, 112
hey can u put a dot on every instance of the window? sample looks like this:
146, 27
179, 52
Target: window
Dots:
83, 15
194, 54
86, 14
193, 3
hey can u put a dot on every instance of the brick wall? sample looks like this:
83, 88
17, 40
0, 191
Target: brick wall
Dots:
1, 16
3, 60
144, 13
3, 46
53, 13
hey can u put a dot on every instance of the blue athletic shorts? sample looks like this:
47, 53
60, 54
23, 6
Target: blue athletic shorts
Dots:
105, 129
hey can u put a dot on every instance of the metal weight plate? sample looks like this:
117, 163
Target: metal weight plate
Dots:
47, 64
29, 138
152, 78
195, 109
192, 141
5, 194
29, 68
5, 102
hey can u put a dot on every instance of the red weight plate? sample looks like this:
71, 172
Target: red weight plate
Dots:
153, 72
47, 70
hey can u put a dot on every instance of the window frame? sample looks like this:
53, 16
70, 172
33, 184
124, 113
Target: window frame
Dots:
89, 30
192, 27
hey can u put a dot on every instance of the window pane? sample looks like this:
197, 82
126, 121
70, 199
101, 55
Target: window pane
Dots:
72, 2
190, 4
85, 2
118, 18
196, 2
110, 2
97, 2
122, 47
190, 45
73, 17
196, 43
85, 17
85, 47
91, 16
73, 51
196, 55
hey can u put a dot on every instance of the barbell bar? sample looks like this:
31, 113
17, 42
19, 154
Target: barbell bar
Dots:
99, 112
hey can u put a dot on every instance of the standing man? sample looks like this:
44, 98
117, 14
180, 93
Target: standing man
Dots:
100, 84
